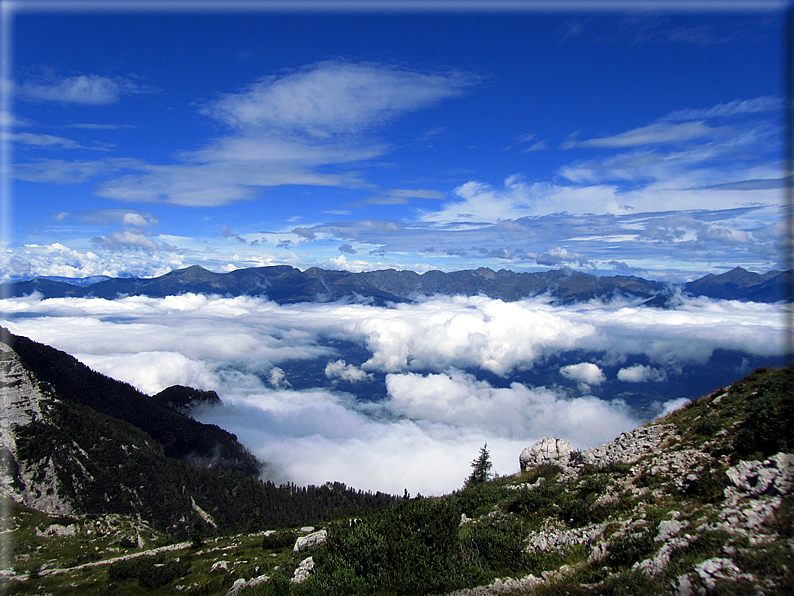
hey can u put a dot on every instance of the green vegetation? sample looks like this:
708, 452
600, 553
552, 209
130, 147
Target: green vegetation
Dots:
480, 467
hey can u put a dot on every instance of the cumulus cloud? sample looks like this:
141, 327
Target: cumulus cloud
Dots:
129, 240
35, 260
558, 256
674, 404
641, 374
435, 412
339, 369
458, 399
278, 378
584, 372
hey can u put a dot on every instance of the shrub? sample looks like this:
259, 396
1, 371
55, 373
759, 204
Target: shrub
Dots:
705, 546
575, 512
709, 486
627, 550
769, 426
150, 571
707, 426
279, 540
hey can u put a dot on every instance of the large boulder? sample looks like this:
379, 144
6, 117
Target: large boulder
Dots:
545, 451
309, 541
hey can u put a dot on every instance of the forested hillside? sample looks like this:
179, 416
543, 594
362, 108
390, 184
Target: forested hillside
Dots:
102, 447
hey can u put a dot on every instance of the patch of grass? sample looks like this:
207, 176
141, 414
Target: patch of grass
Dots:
632, 583
709, 486
629, 549
769, 425
705, 546
279, 540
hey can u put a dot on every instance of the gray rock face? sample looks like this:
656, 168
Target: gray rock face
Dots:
303, 571
628, 447
773, 476
547, 450
313, 539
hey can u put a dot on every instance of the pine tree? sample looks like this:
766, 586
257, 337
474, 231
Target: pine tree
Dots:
480, 468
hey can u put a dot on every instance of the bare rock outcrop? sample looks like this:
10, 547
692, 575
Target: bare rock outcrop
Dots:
313, 539
547, 450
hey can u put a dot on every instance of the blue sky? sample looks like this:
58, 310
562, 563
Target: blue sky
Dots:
632, 141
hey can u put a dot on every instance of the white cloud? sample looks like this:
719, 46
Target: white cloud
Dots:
332, 98
458, 399
436, 416
659, 132
674, 404
641, 374
34, 260
277, 378
584, 372
339, 369
83, 89
151, 372
26, 138
732, 108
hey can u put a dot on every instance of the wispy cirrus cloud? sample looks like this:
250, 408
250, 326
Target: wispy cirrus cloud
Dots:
82, 89
289, 130
48, 141
652, 134
335, 98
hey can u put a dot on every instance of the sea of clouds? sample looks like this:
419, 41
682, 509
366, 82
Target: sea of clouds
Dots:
436, 413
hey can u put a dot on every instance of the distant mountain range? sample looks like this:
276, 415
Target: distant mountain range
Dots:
287, 285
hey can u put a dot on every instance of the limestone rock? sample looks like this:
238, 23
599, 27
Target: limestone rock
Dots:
314, 539
773, 476
303, 571
668, 529
547, 450
715, 569
238, 585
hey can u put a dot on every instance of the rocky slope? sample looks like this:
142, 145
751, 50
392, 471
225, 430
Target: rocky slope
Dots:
698, 502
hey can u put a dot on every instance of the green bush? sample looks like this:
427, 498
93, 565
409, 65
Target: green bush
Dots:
709, 486
150, 571
708, 426
629, 549
769, 426
704, 547
279, 540
575, 512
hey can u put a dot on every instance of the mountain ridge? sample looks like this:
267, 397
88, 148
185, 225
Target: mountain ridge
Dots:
72, 449
285, 284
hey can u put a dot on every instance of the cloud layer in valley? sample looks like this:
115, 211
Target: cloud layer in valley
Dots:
435, 412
